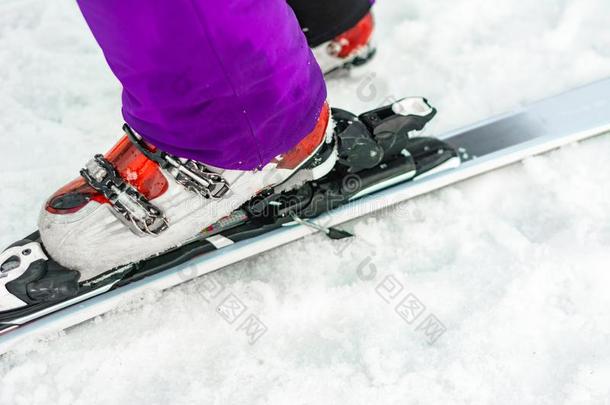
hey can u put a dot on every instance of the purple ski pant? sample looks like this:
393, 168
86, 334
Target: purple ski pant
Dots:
229, 83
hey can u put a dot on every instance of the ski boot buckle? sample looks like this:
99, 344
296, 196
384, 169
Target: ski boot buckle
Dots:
127, 203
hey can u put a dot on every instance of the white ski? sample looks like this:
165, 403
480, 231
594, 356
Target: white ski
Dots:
548, 124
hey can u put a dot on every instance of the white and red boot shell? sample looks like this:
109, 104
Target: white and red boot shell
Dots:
81, 230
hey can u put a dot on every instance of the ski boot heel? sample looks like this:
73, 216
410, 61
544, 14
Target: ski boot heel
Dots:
374, 151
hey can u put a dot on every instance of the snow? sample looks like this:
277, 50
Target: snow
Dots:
513, 264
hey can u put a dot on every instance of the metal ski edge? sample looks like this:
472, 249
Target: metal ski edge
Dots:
100, 302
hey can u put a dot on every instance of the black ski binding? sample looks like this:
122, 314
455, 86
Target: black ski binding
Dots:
30, 277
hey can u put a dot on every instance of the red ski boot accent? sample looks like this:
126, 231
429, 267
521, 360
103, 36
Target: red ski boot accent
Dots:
132, 165
357, 37
304, 149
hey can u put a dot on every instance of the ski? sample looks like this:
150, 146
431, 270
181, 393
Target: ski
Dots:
380, 164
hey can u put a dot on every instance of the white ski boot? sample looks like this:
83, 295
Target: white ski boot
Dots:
135, 202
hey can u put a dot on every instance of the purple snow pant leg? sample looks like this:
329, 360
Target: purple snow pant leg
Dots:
228, 83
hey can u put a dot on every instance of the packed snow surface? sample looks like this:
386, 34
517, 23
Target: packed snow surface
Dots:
508, 272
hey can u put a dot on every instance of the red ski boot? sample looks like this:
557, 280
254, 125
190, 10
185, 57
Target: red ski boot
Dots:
352, 48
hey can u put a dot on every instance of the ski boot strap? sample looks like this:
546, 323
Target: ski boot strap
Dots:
142, 217
193, 175
129, 205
